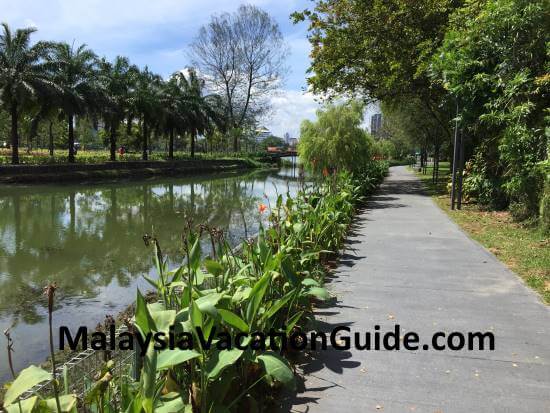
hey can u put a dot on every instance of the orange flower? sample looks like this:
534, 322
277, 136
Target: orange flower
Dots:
325, 172
262, 208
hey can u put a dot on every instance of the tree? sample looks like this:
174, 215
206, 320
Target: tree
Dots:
23, 76
336, 139
118, 80
241, 57
76, 72
272, 141
380, 50
494, 59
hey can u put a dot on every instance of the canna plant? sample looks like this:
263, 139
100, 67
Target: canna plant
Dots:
270, 284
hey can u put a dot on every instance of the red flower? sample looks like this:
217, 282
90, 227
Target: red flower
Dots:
262, 208
325, 172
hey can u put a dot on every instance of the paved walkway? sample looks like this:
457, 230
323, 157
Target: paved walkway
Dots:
408, 264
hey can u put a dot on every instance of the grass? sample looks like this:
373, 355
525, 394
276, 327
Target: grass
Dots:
42, 156
524, 249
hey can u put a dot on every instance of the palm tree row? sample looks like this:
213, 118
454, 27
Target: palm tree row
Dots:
58, 79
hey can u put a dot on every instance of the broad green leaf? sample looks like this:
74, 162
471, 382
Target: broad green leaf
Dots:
196, 315
318, 292
143, 318
163, 319
213, 267
26, 380
169, 358
310, 282
220, 360
27, 406
207, 303
148, 379
233, 320
67, 402
173, 405
277, 368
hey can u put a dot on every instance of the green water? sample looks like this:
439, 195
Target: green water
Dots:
88, 239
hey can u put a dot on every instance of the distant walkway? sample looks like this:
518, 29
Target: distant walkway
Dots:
408, 264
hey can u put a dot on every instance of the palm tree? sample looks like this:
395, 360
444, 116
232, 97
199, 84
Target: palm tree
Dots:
118, 79
200, 113
76, 72
24, 76
146, 101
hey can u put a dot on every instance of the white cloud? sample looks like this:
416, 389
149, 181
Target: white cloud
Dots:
290, 108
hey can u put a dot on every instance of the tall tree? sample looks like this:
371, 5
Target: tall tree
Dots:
76, 72
23, 76
146, 100
118, 78
242, 57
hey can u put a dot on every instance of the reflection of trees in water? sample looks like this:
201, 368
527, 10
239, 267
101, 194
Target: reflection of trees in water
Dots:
85, 238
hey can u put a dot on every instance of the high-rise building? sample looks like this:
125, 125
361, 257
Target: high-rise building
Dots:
261, 133
376, 124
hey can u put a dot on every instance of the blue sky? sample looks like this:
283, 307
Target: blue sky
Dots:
157, 33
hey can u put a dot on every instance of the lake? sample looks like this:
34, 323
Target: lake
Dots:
88, 239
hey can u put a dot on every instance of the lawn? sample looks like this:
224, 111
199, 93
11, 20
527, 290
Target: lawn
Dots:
524, 249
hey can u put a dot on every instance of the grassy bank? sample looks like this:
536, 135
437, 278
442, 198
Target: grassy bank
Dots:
523, 248
86, 172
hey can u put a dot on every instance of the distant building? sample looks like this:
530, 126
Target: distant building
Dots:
376, 124
262, 133
293, 142
287, 138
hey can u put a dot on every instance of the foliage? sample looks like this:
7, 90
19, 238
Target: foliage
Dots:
271, 283
494, 59
336, 140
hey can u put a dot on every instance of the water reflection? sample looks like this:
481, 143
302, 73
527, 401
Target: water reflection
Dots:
88, 239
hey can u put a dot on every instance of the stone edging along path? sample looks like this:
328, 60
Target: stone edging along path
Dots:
407, 263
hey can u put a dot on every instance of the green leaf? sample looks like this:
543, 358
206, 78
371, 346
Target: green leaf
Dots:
148, 379
163, 319
67, 402
233, 320
310, 282
277, 368
196, 315
278, 305
195, 255
207, 303
213, 267
26, 380
173, 405
143, 318
288, 271
256, 297
292, 322
27, 406
169, 358
318, 292
220, 360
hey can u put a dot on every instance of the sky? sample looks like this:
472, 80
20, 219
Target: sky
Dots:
157, 33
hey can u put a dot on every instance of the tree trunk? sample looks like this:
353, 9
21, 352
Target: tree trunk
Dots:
14, 136
51, 138
145, 154
112, 139
171, 144
235, 142
193, 145
71, 139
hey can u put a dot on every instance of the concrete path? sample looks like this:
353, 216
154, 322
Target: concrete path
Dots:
408, 264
